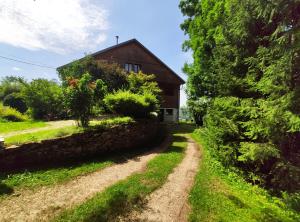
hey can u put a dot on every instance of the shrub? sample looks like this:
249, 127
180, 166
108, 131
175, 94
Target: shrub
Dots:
44, 99
140, 83
16, 101
11, 114
131, 104
80, 98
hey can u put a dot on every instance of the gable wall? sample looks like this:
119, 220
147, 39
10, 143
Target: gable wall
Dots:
135, 54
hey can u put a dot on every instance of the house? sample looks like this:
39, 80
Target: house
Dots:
133, 56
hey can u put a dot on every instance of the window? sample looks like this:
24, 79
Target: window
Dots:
136, 68
132, 67
127, 67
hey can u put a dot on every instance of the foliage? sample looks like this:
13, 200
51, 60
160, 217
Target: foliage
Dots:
99, 94
198, 109
16, 101
11, 84
141, 83
100, 91
246, 61
111, 73
112, 122
10, 114
221, 194
131, 104
44, 99
80, 98
141, 97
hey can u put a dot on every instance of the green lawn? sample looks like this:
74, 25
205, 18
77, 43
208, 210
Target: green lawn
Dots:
46, 177
35, 178
41, 135
61, 132
6, 127
124, 195
221, 195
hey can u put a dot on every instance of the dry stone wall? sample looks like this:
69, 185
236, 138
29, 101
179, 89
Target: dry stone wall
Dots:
77, 146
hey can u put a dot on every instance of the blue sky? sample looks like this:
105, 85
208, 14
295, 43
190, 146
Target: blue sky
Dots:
55, 32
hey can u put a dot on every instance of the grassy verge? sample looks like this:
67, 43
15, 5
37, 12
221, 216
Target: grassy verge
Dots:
6, 127
61, 132
121, 197
41, 135
46, 177
34, 178
222, 195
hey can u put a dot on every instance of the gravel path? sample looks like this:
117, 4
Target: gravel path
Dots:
170, 202
45, 203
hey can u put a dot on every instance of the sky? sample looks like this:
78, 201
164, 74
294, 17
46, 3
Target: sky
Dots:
51, 33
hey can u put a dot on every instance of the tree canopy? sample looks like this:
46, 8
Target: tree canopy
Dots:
246, 61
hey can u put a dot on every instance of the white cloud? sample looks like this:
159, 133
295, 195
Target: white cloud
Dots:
16, 69
54, 25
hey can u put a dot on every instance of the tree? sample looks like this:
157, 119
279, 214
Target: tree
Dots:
110, 73
11, 84
16, 101
246, 61
44, 99
140, 83
100, 91
80, 98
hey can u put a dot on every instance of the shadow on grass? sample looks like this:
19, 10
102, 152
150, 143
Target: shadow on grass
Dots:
237, 201
4, 189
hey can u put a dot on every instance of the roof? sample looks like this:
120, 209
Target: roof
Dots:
141, 45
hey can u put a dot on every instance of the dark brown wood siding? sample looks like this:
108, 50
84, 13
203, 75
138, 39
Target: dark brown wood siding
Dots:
135, 54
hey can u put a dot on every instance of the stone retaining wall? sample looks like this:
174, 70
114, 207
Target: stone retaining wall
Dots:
77, 146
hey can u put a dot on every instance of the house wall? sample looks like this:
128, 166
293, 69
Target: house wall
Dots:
135, 54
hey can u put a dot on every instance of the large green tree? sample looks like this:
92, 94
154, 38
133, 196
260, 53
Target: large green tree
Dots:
111, 73
44, 98
246, 60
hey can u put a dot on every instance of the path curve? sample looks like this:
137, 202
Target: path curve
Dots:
170, 202
47, 202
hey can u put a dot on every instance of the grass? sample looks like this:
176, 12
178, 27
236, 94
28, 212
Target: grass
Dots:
34, 178
46, 177
42, 135
61, 132
124, 195
221, 195
6, 127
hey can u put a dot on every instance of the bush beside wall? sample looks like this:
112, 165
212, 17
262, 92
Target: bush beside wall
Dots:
97, 141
